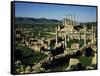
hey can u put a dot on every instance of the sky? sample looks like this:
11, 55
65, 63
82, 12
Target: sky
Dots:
52, 11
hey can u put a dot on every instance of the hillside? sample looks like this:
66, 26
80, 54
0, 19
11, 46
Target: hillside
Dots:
26, 20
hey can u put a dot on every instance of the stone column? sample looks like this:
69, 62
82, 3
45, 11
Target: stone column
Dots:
71, 20
74, 20
65, 20
65, 41
84, 35
56, 35
72, 33
79, 35
68, 36
68, 20
73, 24
92, 35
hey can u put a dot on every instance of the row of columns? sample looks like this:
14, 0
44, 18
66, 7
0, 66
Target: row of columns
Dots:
85, 33
69, 20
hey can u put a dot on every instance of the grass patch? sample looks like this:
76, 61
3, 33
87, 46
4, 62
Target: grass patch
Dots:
85, 60
35, 58
81, 42
28, 56
69, 43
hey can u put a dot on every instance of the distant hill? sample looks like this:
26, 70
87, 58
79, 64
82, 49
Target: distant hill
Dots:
26, 20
